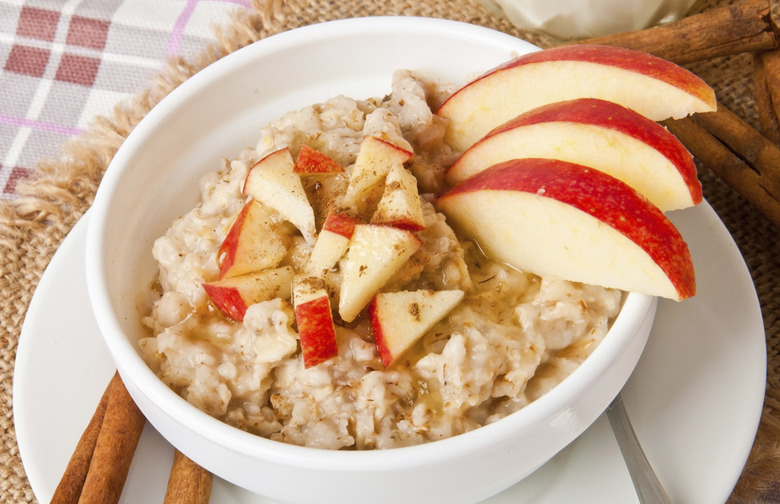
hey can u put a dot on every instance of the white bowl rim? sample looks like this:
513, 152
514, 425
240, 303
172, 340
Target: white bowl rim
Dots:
636, 306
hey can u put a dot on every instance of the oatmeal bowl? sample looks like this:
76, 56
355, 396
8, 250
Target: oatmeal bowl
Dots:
313, 289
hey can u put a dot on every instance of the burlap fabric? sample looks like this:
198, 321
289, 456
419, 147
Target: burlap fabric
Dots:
32, 227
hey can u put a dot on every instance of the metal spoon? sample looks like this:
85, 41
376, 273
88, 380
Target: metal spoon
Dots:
648, 488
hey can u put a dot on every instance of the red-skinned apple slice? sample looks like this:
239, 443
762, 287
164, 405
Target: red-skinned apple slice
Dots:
252, 243
273, 182
654, 87
233, 296
315, 321
400, 205
399, 319
595, 133
560, 219
374, 254
332, 242
373, 162
312, 161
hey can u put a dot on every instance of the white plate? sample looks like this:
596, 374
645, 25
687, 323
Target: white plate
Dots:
695, 397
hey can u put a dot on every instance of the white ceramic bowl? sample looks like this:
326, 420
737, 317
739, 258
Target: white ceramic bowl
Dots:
153, 179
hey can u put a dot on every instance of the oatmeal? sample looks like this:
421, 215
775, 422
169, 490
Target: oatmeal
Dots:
499, 340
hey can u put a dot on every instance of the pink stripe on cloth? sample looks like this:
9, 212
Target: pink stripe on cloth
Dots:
178, 28
21, 122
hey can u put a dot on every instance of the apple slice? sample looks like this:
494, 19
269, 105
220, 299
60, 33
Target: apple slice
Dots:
273, 182
399, 319
373, 162
598, 134
400, 205
374, 254
312, 161
654, 87
315, 321
233, 296
252, 243
560, 219
332, 242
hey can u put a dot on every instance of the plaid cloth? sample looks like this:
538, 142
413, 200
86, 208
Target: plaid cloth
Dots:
66, 61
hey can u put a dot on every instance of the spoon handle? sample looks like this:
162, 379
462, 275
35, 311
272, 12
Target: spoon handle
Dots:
648, 488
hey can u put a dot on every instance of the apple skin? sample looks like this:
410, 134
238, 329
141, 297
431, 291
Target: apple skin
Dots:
560, 219
399, 319
251, 244
332, 241
316, 330
233, 296
595, 133
341, 223
315, 321
312, 161
654, 87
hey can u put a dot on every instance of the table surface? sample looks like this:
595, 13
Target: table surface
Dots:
67, 62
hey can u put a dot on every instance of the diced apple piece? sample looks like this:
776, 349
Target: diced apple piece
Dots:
315, 321
332, 242
233, 296
312, 161
598, 134
273, 182
560, 219
374, 254
252, 243
323, 192
399, 319
373, 162
400, 205
654, 87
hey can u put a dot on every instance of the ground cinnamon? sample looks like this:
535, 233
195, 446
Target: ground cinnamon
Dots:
69, 488
120, 431
188, 483
737, 153
751, 25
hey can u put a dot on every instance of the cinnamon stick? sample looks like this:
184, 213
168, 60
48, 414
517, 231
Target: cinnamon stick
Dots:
188, 483
69, 488
766, 73
120, 431
737, 153
751, 25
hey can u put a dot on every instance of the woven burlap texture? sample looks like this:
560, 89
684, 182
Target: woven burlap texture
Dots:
32, 227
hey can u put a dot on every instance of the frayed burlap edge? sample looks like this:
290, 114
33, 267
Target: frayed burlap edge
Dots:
32, 227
